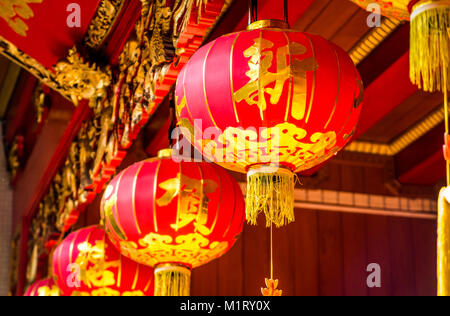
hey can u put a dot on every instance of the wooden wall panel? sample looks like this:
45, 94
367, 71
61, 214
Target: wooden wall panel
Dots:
256, 258
378, 252
425, 253
305, 253
327, 253
284, 262
402, 257
233, 283
354, 254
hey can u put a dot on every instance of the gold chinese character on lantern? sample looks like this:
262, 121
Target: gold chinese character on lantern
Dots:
14, 12
192, 201
261, 60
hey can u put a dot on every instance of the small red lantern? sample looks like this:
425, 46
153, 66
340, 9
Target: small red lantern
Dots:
46, 287
173, 216
276, 101
87, 264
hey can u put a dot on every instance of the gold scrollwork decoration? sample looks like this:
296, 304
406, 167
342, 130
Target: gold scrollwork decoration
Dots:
102, 23
194, 249
81, 80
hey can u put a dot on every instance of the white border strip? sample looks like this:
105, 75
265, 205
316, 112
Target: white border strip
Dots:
360, 203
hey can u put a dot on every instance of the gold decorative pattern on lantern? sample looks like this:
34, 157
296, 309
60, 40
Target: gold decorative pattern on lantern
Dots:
397, 9
106, 291
192, 201
194, 249
261, 60
14, 12
249, 145
48, 291
93, 266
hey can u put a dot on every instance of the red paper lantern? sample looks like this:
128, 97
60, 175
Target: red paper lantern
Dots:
46, 287
88, 258
277, 102
173, 216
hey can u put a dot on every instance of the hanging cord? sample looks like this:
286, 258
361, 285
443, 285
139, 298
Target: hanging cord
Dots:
271, 251
286, 12
252, 11
446, 122
172, 118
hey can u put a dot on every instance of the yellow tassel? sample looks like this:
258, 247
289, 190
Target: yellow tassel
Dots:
172, 280
443, 246
430, 45
270, 190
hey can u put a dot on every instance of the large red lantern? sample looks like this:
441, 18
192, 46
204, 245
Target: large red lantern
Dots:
173, 216
269, 102
46, 287
87, 264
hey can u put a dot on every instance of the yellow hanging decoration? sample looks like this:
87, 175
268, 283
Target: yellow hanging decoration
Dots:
172, 280
271, 284
443, 266
270, 190
443, 244
271, 288
430, 45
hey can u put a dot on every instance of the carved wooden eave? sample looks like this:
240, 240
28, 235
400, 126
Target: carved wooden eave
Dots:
98, 31
117, 101
103, 22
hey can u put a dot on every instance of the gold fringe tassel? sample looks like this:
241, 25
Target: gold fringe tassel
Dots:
430, 45
172, 280
270, 190
443, 245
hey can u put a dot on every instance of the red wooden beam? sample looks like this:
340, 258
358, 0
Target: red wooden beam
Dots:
422, 162
428, 172
385, 55
386, 92
122, 30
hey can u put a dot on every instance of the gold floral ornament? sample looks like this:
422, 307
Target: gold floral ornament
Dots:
93, 267
49, 291
14, 12
271, 288
81, 80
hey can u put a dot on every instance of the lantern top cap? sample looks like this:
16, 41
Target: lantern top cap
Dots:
268, 24
165, 153
425, 5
